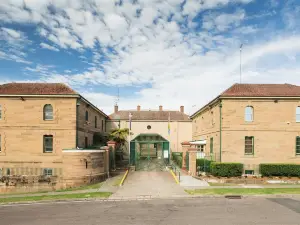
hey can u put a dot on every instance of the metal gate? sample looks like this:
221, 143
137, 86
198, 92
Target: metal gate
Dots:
149, 152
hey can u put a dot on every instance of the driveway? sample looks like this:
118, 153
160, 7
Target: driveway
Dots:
149, 184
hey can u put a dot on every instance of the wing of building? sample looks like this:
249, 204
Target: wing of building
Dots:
251, 124
39, 123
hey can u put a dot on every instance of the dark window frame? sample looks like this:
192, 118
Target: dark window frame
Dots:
298, 145
86, 116
96, 121
247, 145
44, 144
102, 125
211, 145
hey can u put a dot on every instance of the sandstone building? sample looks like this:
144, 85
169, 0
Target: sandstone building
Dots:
250, 124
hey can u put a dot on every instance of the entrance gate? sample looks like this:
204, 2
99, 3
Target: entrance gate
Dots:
149, 152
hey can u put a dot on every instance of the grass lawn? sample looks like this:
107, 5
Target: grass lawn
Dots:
244, 191
56, 197
87, 187
222, 184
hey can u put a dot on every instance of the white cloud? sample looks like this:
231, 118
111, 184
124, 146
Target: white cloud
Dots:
46, 46
172, 61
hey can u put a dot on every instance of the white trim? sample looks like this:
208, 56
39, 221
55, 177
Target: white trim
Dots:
81, 151
199, 142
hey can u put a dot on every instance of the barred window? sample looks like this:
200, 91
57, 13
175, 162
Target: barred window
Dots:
249, 145
249, 114
48, 172
48, 143
48, 112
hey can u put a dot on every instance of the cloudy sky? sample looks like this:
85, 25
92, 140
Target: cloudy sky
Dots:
155, 52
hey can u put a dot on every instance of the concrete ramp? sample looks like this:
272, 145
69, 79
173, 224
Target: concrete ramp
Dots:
142, 184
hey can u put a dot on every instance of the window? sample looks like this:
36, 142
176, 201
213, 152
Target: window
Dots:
8, 172
298, 145
86, 116
249, 145
200, 148
249, 114
48, 143
48, 172
48, 112
211, 145
249, 172
102, 127
298, 114
96, 121
0, 112
86, 142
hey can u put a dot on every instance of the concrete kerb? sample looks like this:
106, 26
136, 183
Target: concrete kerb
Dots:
149, 198
124, 177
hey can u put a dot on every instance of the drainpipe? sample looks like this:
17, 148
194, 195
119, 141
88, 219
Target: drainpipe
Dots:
220, 106
77, 112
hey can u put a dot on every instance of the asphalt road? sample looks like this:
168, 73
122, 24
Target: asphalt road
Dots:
207, 211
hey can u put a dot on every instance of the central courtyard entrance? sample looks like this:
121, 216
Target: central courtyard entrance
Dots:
149, 152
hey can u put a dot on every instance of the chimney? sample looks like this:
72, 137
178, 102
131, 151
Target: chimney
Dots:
182, 109
160, 108
116, 108
138, 108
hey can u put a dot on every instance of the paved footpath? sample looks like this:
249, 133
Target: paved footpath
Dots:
149, 184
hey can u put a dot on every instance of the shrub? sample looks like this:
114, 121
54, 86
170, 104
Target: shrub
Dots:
289, 170
177, 158
226, 169
203, 165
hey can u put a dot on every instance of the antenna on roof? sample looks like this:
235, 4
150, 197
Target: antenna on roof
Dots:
241, 48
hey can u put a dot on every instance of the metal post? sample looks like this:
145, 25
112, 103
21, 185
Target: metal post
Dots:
241, 63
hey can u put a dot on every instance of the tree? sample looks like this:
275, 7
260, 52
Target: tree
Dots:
120, 137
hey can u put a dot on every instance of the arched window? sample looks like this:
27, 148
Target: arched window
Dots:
86, 116
0, 112
298, 114
48, 112
249, 114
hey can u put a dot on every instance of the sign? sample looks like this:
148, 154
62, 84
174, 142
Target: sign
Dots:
166, 154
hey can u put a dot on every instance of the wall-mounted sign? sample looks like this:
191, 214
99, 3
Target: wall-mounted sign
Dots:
166, 154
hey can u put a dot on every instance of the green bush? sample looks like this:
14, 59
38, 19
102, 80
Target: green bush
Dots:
203, 165
288, 170
226, 169
177, 158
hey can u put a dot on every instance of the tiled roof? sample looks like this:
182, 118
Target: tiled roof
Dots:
262, 90
149, 115
36, 89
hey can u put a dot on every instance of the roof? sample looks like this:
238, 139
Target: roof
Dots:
256, 91
36, 89
149, 115
42, 89
262, 90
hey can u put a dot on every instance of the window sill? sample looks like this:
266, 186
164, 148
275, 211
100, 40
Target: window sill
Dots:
249, 156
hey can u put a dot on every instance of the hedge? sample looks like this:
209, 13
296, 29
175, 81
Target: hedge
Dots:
226, 169
177, 158
203, 165
287, 170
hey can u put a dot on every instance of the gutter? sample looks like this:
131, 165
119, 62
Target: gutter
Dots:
220, 106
